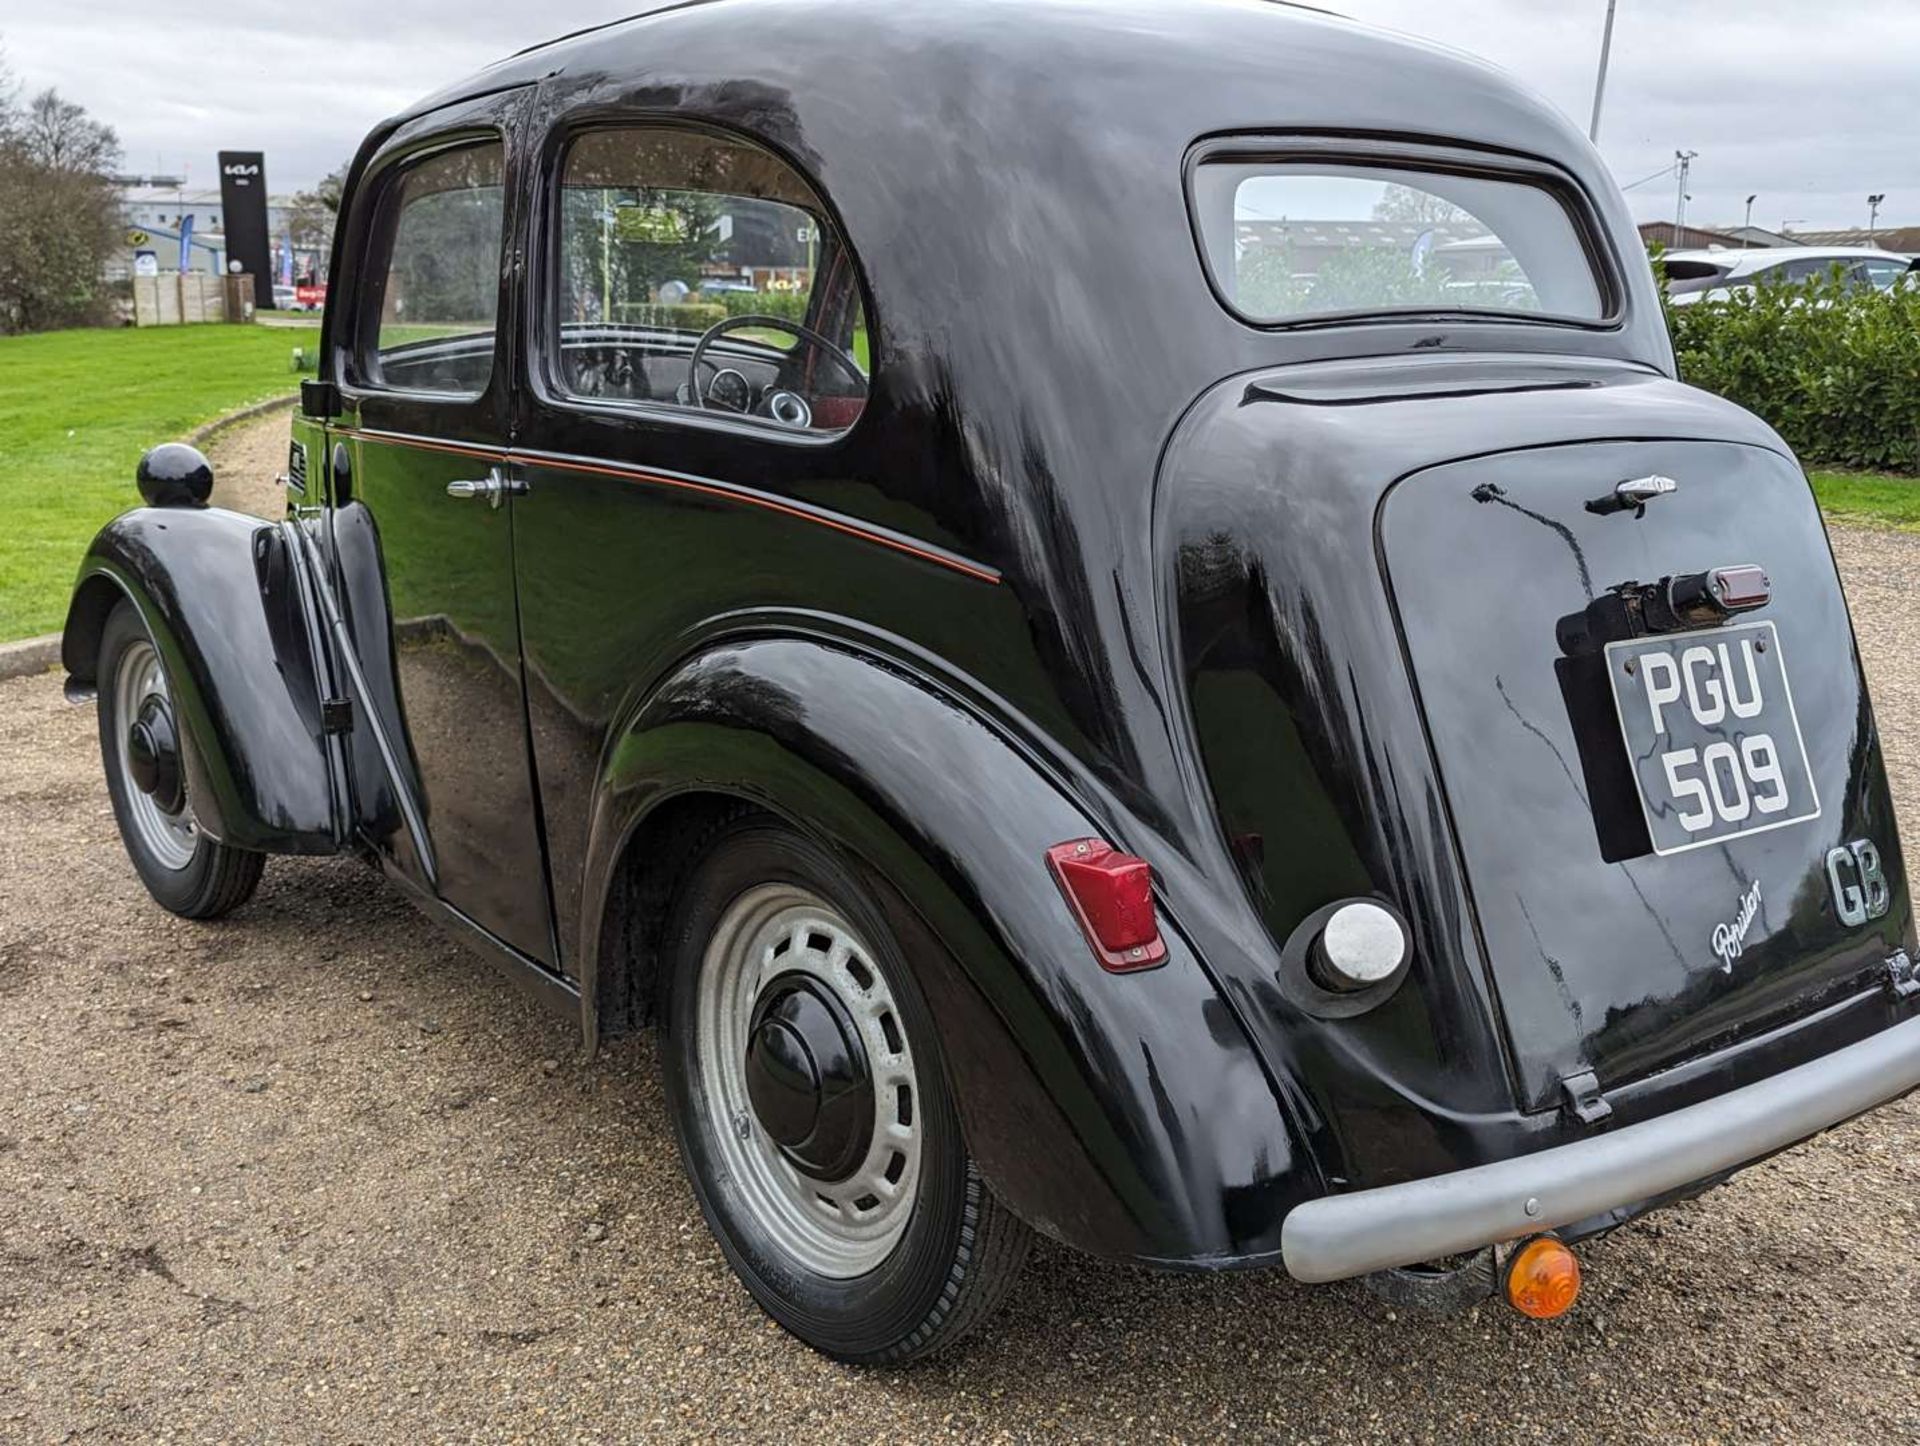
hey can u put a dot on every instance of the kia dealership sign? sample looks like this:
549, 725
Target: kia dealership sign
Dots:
243, 200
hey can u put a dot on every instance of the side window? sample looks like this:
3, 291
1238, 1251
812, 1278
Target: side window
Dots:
700, 272
1807, 269
432, 322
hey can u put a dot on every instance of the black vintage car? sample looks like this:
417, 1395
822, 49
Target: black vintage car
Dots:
1112, 618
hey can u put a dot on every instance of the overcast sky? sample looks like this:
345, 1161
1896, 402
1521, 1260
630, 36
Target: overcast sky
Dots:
1810, 104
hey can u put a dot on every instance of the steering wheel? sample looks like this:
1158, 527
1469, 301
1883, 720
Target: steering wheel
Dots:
776, 402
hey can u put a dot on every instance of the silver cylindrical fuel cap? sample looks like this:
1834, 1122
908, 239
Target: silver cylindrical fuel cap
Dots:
1362, 945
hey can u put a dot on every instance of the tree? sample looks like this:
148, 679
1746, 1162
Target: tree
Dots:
62, 137
1407, 203
9, 101
62, 217
314, 213
620, 246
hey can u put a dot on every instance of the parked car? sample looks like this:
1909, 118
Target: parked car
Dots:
1694, 276
1082, 733
303, 297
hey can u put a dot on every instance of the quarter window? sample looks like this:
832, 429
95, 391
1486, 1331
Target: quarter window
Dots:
1293, 241
701, 273
438, 300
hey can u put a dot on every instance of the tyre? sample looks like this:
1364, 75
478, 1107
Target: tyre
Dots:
812, 1109
185, 870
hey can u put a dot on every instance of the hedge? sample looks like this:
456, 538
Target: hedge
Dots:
682, 316
785, 305
1836, 371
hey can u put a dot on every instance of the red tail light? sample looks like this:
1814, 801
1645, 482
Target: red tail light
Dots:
1111, 894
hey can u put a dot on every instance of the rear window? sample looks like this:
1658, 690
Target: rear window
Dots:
1290, 241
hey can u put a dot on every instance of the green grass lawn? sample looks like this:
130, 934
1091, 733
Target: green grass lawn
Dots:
1869, 499
77, 408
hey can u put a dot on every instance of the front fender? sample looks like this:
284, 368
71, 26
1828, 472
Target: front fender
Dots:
1125, 1115
223, 596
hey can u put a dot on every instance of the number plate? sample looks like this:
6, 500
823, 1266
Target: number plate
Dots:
1711, 732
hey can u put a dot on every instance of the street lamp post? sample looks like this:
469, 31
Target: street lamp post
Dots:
1746, 232
1686, 160
1600, 84
1873, 215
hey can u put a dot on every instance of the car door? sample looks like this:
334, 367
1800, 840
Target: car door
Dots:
424, 494
653, 511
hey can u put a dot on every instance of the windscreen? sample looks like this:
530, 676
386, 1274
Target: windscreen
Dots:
1289, 241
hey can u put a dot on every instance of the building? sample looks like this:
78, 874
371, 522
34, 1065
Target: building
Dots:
158, 207
1903, 239
1309, 244
1689, 238
161, 244
1761, 236
150, 206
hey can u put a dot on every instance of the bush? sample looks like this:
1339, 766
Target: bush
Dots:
785, 305
1835, 371
61, 218
679, 316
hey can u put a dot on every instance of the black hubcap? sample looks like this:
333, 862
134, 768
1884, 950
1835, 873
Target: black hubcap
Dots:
153, 756
808, 1077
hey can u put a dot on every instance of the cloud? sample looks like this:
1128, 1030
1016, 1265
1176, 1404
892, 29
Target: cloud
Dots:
1809, 105
303, 83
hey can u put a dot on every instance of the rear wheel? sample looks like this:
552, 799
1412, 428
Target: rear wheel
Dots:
187, 872
812, 1110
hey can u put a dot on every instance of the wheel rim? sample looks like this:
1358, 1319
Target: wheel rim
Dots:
168, 837
771, 939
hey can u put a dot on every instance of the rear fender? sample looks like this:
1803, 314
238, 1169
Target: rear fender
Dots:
1126, 1115
224, 597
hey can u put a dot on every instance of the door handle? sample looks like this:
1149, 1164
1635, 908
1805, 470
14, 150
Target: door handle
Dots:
494, 487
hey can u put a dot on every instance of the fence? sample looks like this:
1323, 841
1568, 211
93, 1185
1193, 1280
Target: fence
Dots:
176, 297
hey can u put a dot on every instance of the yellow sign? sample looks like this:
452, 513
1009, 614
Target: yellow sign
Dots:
137, 237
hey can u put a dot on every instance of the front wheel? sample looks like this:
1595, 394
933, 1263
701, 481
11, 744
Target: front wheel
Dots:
810, 1101
192, 875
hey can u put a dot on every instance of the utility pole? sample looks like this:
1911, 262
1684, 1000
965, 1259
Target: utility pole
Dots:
1746, 232
1686, 159
1873, 215
1600, 84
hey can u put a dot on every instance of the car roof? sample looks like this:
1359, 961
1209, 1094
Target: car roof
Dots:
1747, 258
645, 12
1069, 123
1183, 40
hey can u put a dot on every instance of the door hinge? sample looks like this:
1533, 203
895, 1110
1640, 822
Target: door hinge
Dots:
1902, 978
336, 715
1582, 1099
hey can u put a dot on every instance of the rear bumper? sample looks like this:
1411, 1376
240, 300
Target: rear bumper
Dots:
1367, 1230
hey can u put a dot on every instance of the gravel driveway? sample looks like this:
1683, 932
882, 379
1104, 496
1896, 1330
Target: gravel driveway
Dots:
315, 1174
